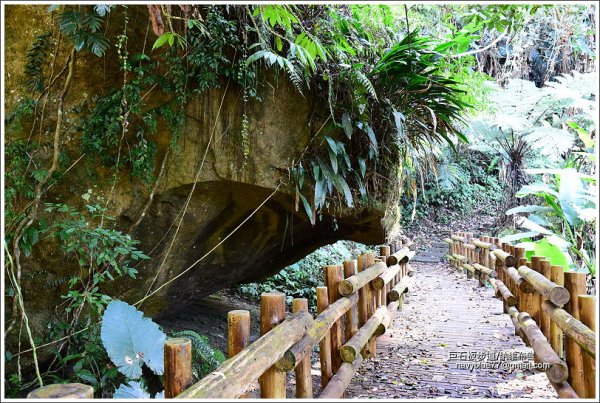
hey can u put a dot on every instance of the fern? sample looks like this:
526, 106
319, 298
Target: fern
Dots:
365, 83
271, 59
205, 358
36, 58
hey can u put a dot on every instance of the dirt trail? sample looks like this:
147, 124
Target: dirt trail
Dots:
446, 318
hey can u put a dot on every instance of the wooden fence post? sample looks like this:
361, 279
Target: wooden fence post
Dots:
302, 370
352, 314
385, 252
238, 334
575, 284
334, 276
371, 347
325, 343
587, 313
238, 331
362, 293
536, 307
545, 319
177, 366
63, 391
272, 312
557, 276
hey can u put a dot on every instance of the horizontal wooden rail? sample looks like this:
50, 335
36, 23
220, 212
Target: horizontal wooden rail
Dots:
557, 369
460, 258
522, 284
315, 332
352, 348
483, 245
554, 292
340, 381
392, 307
448, 241
402, 287
507, 296
506, 258
458, 238
572, 327
514, 317
352, 284
398, 257
235, 375
385, 277
468, 268
483, 269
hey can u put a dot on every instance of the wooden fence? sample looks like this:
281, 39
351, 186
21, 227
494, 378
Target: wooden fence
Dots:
549, 307
354, 307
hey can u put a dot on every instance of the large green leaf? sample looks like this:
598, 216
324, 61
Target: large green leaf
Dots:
528, 209
553, 253
130, 339
516, 237
532, 226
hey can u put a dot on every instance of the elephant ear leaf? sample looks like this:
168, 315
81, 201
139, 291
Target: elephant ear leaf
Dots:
130, 339
133, 390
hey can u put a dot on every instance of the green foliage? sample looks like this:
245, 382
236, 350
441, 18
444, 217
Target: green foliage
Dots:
104, 254
36, 59
205, 358
300, 279
565, 216
84, 28
462, 182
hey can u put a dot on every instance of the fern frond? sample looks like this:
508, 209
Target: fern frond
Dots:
205, 358
365, 82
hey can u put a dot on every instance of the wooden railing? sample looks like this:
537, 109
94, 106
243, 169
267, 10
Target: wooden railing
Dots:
549, 307
354, 306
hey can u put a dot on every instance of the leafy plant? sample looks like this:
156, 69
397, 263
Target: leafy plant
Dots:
131, 340
205, 358
300, 279
84, 28
569, 205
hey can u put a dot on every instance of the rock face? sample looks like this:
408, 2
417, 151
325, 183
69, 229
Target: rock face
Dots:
222, 190
223, 198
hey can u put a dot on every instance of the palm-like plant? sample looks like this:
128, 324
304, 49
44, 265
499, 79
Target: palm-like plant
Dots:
424, 104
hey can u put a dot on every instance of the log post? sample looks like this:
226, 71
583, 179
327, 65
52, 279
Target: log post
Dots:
63, 391
272, 313
557, 276
302, 370
352, 314
238, 331
335, 275
371, 348
232, 378
325, 343
537, 298
587, 314
177, 366
361, 263
545, 319
384, 251
575, 284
